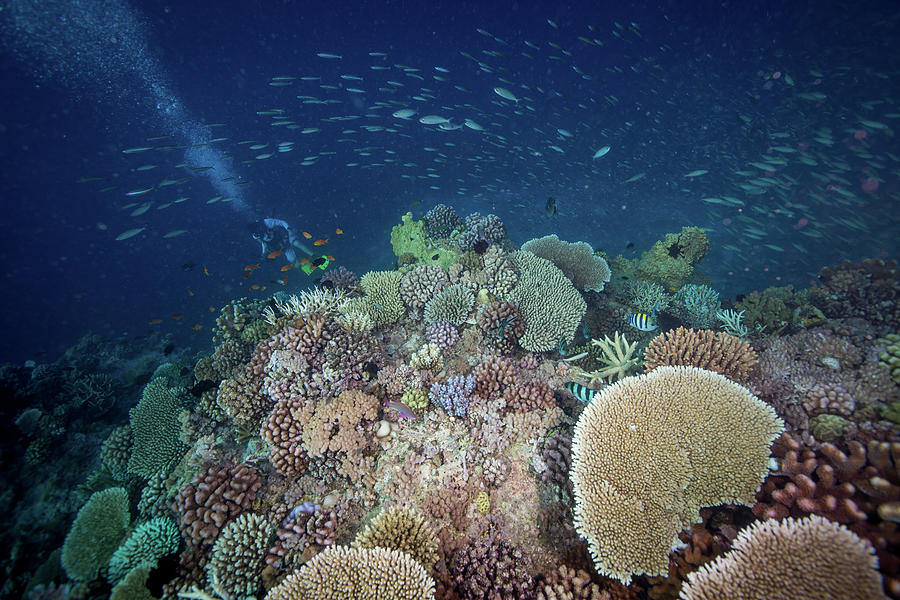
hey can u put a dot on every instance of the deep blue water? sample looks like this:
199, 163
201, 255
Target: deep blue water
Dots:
673, 88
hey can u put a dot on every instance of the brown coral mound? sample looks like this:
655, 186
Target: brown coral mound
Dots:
342, 573
868, 290
401, 529
342, 424
650, 451
794, 560
283, 429
213, 500
711, 350
493, 376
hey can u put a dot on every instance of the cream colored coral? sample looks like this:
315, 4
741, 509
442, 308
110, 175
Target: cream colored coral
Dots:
427, 358
342, 573
805, 559
402, 529
651, 450
236, 563
617, 357
382, 299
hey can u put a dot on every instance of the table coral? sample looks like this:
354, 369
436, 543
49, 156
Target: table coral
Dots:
577, 260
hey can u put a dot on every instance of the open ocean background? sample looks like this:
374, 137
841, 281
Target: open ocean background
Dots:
673, 88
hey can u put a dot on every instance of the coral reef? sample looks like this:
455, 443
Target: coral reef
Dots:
671, 261
236, 563
401, 529
714, 351
452, 304
642, 468
154, 421
441, 221
342, 573
868, 291
547, 301
101, 525
577, 261
806, 558
148, 543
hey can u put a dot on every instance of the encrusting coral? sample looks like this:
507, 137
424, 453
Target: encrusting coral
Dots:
642, 466
805, 559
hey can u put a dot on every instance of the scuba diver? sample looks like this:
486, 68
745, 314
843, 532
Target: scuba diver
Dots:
276, 236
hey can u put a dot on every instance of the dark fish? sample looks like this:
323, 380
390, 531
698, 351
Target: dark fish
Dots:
169, 349
201, 386
583, 393
629, 245
550, 207
188, 266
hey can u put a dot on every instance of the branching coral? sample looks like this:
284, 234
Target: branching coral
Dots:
650, 451
99, 528
402, 529
382, 300
452, 304
491, 567
577, 260
548, 303
617, 356
154, 421
714, 351
150, 542
236, 562
342, 573
420, 284
806, 558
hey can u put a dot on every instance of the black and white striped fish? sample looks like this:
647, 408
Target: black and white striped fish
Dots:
643, 321
583, 393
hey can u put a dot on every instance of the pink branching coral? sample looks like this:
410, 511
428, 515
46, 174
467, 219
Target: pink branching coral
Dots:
213, 500
304, 531
527, 396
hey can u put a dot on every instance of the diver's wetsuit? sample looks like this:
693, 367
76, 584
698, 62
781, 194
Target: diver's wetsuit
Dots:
275, 234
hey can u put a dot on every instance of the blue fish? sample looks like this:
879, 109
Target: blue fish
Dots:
643, 321
583, 393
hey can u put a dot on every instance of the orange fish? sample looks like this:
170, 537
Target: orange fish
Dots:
339, 231
178, 316
306, 235
154, 321
303, 261
331, 258
274, 253
205, 272
197, 327
284, 280
247, 274
255, 286
262, 289
212, 309
251, 267
320, 242
287, 267
190, 292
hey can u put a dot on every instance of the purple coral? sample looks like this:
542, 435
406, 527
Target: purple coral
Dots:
453, 396
443, 333
339, 279
488, 229
441, 220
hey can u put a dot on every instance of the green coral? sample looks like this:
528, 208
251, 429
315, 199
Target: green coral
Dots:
452, 303
778, 308
409, 238
148, 543
698, 305
483, 502
828, 428
134, 586
671, 261
548, 303
382, 301
890, 358
891, 412
645, 295
99, 528
156, 426
116, 450
415, 399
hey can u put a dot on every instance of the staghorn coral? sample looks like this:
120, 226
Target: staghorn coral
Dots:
642, 468
99, 528
342, 573
150, 542
156, 427
402, 529
452, 304
714, 351
213, 500
576, 260
236, 563
791, 559
616, 357
420, 284
548, 303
